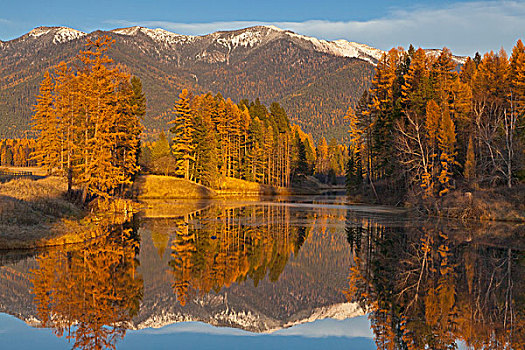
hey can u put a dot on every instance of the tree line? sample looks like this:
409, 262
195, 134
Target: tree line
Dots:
87, 119
17, 152
87, 122
211, 137
426, 126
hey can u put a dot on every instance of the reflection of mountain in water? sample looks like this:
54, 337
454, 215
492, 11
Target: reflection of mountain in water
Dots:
259, 268
266, 266
245, 267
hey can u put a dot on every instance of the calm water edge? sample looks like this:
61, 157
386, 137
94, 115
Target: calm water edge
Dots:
284, 273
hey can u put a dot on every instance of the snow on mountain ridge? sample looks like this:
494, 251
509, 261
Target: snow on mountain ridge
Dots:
158, 34
253, 322
64, 34
251, 36
342, 48
127, 31
61, 34
248, 38
39, 31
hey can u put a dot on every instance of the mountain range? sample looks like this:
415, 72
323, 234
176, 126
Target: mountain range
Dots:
314, 80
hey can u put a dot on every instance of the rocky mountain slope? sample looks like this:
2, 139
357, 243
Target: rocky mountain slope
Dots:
315, 80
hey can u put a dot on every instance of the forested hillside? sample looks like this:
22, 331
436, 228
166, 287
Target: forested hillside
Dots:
313, 80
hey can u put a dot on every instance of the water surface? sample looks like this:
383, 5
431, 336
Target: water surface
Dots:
272, 274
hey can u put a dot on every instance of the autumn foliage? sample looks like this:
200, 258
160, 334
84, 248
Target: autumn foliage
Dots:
428, 125
87, 122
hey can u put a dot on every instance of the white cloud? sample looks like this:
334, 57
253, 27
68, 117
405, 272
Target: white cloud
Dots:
463, 27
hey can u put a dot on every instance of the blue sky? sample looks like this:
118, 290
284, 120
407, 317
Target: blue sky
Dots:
463, 26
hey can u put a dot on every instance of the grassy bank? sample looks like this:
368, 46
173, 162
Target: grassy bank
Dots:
496, 204
169, 187
160, 187
231, 187
481, 204
30, 209
36, 213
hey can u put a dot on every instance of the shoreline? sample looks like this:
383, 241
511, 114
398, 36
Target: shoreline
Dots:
35, 213
499, 204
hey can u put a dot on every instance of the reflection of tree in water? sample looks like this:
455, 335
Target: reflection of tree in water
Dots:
90, 291
215, 248
427, 288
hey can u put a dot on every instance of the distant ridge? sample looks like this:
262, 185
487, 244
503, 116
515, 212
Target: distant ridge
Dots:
315, 80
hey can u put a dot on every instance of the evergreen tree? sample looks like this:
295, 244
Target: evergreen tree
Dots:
45, 123
183, 130
470, 164
95, 134
354, 171
205, 140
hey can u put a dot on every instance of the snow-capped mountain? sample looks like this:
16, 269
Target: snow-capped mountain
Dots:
54, 35
231, 40
315, 80
250, 38
159, 35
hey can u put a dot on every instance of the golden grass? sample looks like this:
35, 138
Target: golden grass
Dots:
158, 186
32, 202
233, 184
30, 210
170, 187
496, 204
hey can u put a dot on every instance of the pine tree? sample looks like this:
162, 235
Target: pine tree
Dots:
356, 133
68, 110
103, 96
470, 164
47, 153
430, 168
205, 140
301, 167
354, 171
384, 111
92, 123
416, 89
517, 95
446, 143
183, 130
